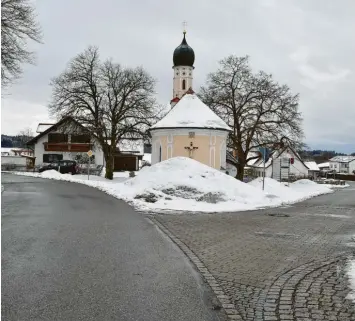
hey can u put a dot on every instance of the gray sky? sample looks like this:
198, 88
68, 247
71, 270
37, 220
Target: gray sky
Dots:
309, 45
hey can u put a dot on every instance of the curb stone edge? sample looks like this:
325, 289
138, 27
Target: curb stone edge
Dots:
226, 303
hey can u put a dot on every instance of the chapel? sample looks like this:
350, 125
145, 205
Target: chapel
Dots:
191, 128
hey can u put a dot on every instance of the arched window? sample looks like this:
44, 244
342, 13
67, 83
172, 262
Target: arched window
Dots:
183, 84
160, 153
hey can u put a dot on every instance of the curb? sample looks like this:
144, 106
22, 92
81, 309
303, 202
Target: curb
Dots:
224, 300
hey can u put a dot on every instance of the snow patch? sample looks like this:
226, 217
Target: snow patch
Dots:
351, 276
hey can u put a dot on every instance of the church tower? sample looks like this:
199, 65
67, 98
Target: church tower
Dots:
183, 58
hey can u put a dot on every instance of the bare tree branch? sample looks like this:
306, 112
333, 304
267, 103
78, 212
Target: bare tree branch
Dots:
18, 25
113, 102
258, 110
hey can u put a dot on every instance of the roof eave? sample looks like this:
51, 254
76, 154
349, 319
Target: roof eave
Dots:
181, 127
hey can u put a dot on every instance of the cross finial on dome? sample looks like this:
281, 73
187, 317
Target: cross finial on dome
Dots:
184, 25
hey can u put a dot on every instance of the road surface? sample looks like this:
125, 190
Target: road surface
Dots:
71, 252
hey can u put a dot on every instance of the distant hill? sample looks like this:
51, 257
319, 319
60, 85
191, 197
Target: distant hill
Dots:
319, 156
14, 141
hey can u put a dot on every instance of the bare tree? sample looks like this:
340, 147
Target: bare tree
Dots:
259, 111
111, 101
24, 136
18, 25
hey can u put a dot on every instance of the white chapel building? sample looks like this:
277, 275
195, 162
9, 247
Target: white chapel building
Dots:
191, 128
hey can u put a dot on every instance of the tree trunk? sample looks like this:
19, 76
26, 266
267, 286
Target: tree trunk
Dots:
240, 171
109, 166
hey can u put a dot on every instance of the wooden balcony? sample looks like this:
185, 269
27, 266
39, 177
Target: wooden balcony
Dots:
67, 147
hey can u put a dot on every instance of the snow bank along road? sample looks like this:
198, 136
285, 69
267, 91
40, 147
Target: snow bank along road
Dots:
71, 252
279, 263
184, 184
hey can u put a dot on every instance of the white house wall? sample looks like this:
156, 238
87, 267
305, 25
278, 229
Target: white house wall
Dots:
15, 160
297, 168
351, 167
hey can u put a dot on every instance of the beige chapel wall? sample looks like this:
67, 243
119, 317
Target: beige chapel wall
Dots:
202, 154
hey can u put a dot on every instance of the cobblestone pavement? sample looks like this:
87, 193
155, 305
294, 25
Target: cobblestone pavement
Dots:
278, 264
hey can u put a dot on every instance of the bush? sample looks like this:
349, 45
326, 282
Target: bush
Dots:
84, 158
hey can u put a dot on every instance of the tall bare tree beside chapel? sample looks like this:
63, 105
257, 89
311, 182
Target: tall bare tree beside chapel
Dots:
259, 110
111, 101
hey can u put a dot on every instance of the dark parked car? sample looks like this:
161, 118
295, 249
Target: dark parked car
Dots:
63, 166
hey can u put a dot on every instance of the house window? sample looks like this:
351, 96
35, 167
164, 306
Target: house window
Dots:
49, 158
147, 148
84, 139
57, 138
183, 84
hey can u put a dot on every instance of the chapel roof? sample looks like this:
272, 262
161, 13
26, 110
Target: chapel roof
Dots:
191, 112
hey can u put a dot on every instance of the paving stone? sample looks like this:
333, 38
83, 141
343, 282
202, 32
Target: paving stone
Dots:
274, 271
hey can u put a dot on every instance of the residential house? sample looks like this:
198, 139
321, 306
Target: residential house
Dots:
342, 164
64, 140
69, 140
313, 169
297, 167
324, 166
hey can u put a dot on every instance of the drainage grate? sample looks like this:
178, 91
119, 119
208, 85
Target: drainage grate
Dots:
278, 215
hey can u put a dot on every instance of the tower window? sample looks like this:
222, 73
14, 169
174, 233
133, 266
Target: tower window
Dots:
183, 84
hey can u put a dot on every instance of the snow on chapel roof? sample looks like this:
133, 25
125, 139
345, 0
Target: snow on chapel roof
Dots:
191, 112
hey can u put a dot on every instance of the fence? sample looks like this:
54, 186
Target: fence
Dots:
344, 177
18, 168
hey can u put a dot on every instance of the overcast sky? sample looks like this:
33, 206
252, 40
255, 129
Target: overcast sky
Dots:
309, 45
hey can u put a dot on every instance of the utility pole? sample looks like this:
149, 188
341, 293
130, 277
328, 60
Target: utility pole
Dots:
264, 158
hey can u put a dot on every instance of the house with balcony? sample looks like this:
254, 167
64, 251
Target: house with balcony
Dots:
70, 140
64, 140
342, 164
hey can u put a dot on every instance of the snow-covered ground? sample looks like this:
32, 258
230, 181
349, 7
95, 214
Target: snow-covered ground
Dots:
291, 193
183, 184
351, 275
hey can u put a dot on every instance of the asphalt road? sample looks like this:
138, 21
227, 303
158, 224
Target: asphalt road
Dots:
71, 252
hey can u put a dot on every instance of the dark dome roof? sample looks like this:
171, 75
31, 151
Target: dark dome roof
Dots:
184, 55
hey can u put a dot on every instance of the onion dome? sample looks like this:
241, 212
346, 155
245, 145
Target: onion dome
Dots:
184, 54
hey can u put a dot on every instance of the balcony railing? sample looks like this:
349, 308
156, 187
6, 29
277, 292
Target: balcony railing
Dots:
67, 147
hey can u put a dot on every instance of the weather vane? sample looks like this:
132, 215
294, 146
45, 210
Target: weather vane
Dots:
184, 25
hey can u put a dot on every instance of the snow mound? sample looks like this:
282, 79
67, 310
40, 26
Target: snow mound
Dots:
309, 188
304, 182
272, 187
185, 184
50, 174
294, 192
